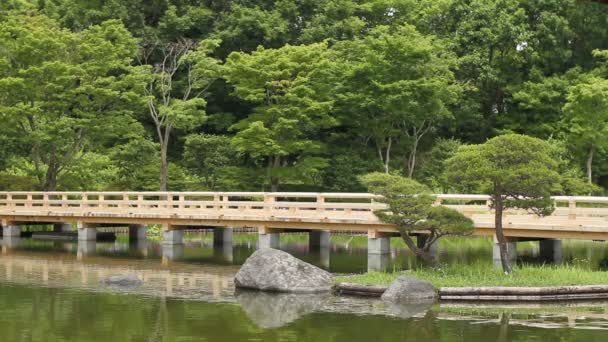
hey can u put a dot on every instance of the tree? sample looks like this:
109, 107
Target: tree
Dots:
206, 155
410, 209
586, 118
176, 88
291, 90
63, 93
516, 170
396, 86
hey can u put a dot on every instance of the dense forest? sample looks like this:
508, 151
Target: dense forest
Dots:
293, 95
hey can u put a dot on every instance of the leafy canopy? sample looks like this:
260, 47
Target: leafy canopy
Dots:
512, 167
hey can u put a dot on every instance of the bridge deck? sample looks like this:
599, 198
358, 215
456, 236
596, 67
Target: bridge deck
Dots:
575, 217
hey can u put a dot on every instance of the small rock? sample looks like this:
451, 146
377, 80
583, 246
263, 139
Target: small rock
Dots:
123, 280
409, 289
273, 270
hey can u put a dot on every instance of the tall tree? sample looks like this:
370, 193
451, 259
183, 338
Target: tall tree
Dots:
586, 119
64, 92
516, 170
396, 88
291, 91
175, 90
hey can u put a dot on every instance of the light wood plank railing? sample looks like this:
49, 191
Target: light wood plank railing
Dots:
578, 212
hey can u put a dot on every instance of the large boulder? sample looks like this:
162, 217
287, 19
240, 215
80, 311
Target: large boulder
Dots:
408, 289
272, 270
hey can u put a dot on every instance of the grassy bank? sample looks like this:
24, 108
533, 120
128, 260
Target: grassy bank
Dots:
486, 275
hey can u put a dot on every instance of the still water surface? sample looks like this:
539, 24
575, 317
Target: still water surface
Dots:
51, 291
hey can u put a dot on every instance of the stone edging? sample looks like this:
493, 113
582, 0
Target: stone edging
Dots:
490, 293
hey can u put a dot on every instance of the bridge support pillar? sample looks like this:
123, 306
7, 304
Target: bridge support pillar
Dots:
173, 237
421, 241
62, 227
137, 232
551, 249
86, 247
87, 233
11, 230
172, 252
511, 251
378, 251
11, 241
378, 262
268, 238
318, 239
222, 237
378, 243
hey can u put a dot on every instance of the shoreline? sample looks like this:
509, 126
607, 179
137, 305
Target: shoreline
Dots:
492, 293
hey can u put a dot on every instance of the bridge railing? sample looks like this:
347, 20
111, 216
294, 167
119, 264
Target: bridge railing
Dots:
335, 205
285, 204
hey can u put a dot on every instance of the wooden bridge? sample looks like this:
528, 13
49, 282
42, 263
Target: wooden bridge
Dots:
273, 213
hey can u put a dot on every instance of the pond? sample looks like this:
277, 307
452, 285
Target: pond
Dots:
49, 291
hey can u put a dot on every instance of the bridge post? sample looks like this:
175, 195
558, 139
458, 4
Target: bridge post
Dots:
85, 247
11, 242
11, 230
137, 232
378, 262
551, 249
318, 239
378, 251
222, 243
511, 250
378, 243
421, 241
319, 242
268, 238
172, 252
222, 236
86, 232
172, 236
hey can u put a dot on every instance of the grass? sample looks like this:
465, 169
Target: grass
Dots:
486, 275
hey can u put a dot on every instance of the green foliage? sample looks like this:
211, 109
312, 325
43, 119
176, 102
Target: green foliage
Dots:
377, 83
385, 93
208, 155
516, 170
409, 208
446, 221
487, 275
408, 201
290, 89
433, 164
586, 119
512, 166
62, 92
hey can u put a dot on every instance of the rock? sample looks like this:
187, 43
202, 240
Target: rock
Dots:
273, 270
408, 289
123, 280
274, 310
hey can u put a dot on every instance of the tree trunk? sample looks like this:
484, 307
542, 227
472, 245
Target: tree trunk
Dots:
411, 160
427, 257
590, 164
500, 237
275, 162
50, 181
164, 166
274, 184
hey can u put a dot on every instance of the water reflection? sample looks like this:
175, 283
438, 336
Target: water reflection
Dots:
273, 310
195, 289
